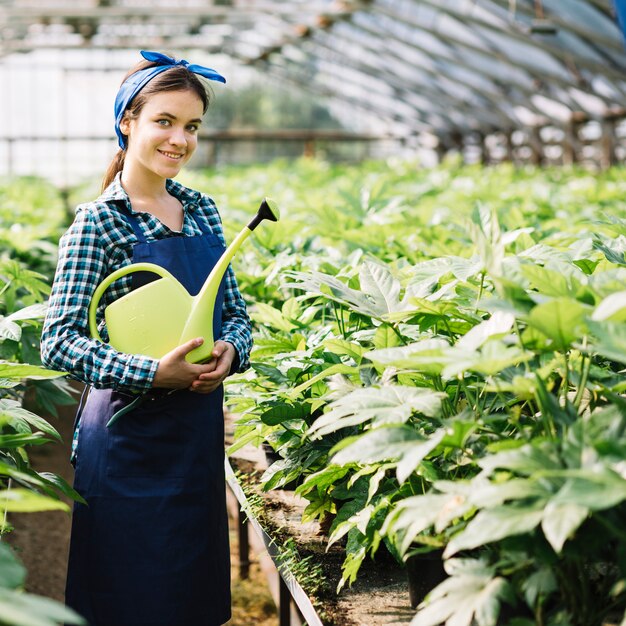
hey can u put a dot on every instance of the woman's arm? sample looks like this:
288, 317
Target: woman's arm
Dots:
66, 344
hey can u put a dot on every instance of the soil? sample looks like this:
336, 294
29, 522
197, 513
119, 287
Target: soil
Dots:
41, 541
379, 596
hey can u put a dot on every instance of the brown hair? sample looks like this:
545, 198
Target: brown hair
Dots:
176, 78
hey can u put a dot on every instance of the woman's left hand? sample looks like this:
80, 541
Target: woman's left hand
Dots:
223, 357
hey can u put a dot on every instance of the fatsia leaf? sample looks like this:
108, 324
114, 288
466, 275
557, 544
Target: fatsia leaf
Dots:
494, 524
560, 522
323, 284
415, 514
13, 413
498, 324
9, 329
612, 308
377, 282
342, 346
611, 339
538, 585
12, 572
561, 319
267, 315
25, 609
283, 411
491, 360
429, 356
525, 460
551, 282
24, 501
594, 490
387, 443
467, 598
62, 485
384, 405
611, 251
386, 337
18, 371
32, 312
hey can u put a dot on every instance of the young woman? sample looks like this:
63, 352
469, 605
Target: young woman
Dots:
150, 547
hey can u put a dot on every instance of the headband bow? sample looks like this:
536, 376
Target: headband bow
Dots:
137, 81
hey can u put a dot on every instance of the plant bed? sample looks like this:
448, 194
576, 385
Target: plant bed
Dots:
380, 594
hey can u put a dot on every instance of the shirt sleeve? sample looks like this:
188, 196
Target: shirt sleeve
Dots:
66, 344
236, 325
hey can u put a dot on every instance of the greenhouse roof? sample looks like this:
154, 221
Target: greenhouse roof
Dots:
447, 67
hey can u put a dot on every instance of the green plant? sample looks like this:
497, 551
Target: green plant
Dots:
415, 326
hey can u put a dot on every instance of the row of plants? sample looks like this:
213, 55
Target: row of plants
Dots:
439, 361
31, 216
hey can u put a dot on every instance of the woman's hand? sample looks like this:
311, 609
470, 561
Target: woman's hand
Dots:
174, 372
223, 357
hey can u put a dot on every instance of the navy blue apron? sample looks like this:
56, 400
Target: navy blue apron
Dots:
151, 548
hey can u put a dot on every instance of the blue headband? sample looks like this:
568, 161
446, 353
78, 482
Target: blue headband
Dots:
137, 81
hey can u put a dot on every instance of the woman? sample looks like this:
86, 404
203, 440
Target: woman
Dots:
150, 548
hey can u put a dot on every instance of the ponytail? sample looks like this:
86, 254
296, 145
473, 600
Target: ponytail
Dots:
116, 166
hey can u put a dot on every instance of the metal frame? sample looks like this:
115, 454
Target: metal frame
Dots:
439, 66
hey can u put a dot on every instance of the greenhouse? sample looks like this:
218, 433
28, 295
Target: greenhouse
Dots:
313, 313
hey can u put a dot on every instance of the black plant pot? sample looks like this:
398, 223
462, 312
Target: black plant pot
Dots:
271, 456
424, 571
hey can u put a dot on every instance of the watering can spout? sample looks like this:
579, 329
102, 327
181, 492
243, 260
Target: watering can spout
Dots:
156, 318
201, 315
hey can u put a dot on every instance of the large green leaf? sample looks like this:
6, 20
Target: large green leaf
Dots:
24, 609
561, 319
470, 597
12, 572
18, 371
381, 405
267, 315
283, 411
595, 490
553, 283
560, 522
25, 501
612, 308
14, 414
610, 339
526, 460
415, 514
498, 324
377, 282
403, 444
494, 524
494, 357
429, 356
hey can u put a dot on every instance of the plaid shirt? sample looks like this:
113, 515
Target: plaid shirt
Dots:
99, 242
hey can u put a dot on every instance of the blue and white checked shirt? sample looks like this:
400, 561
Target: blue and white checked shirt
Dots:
99, 242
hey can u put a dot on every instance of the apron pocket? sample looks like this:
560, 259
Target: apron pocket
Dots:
150, 440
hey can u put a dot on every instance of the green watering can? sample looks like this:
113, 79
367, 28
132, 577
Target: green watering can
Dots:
156, 318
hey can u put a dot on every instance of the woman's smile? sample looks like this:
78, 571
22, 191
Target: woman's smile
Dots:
172, 155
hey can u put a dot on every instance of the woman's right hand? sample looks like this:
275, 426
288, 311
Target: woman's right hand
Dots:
175, 372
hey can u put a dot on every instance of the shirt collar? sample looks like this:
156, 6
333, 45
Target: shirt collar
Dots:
116, 193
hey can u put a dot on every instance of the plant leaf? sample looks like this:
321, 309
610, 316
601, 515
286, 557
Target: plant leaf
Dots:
560, 522
561, 319
494, 524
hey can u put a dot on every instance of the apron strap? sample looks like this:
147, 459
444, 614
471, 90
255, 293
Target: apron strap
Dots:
202, 225
134, 224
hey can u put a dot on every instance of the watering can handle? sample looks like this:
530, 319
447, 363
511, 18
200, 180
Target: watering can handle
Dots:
117, 274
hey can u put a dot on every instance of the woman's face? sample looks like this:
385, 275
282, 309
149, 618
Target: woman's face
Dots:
165, 135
